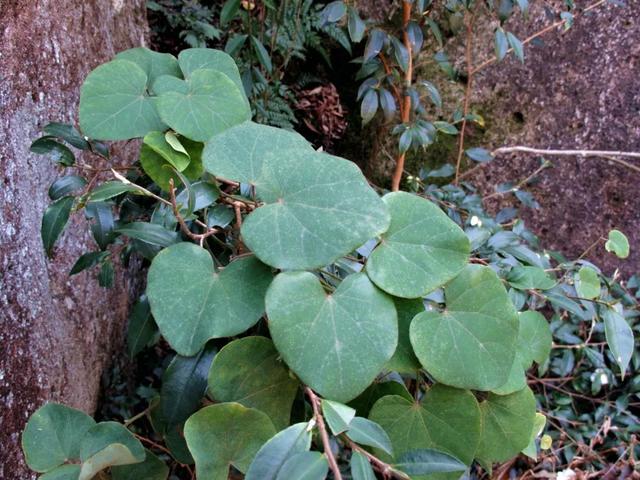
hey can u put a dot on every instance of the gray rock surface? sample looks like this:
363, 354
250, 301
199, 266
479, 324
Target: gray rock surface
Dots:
57, 334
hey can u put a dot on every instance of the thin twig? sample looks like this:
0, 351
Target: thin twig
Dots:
467, 92
198, 237
539, 33
521, 183
315, 403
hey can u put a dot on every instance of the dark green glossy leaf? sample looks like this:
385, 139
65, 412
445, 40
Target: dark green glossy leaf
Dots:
149, 232
374, 44
480, 155
263, 56
184, 383
141, 329
88, 260
68, 133
54, 220
369, 106
355, 25
65, 186
109, 190
57, 152
619, 337
102, 222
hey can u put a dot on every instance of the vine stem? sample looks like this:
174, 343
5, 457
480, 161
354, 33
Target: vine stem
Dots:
384, 468
467, 92
315, 403
199, 237
405, 107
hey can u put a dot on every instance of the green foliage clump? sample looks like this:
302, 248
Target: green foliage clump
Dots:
330, 287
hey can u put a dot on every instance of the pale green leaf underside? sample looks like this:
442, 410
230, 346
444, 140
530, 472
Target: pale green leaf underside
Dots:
237, 153
225, 434
336, 343
249, 372
161, 171
211, 104
448, 419
619, 337
421, 250
318, 208
107, 444
192, 304
114, 104
158, 143
52, 436
507, 423
153, 64
472, 343
305, 466
337, 415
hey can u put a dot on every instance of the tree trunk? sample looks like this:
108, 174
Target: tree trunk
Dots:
57, 333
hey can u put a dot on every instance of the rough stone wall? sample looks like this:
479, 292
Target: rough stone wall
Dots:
578, 90
57, 334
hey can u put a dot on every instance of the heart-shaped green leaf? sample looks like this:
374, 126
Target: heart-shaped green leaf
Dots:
448, 420
237, 153
153, 64
472, 343
226, 434
211, 104
335, 343
108, 444
272, 456
534, 344
587, 283
319, 208
193, 59
404, 360
248, 371
191, 303
421, 250
618, 243
114, 104
64, 472
161, 171
158, 143
374, 392
53, 436
507, 422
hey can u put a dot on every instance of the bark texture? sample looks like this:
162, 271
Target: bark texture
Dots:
57, 333
576, 90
